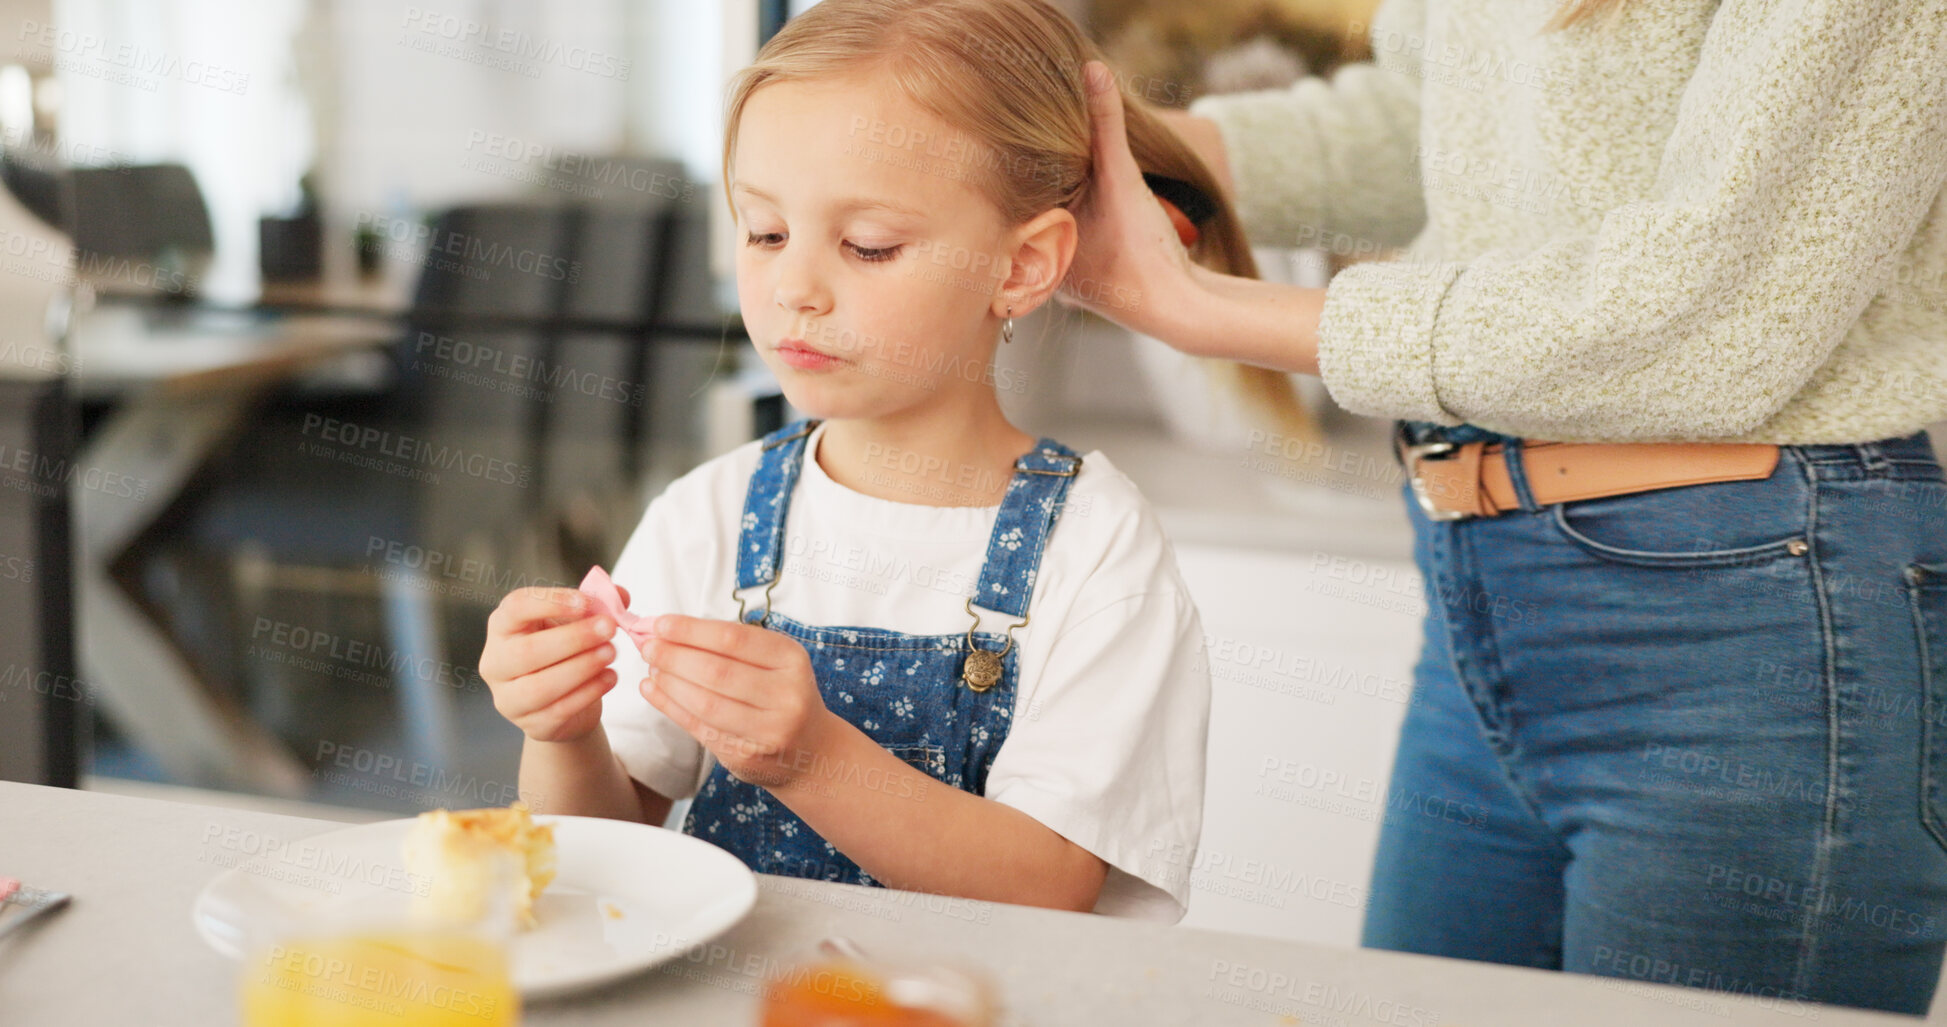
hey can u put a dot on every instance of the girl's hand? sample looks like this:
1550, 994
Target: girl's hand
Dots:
1129, 265
546, 662
746, 693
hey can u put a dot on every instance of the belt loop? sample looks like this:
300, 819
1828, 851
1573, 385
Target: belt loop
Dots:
1518, 474
1871, 457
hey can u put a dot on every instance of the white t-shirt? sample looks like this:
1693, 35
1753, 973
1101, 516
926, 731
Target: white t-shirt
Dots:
1113, 705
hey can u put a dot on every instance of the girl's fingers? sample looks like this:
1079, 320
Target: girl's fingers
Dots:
712, 709
518, 656
543, 688
530, 609
733, 679
746, 643
550, 718
674, 709
728, 744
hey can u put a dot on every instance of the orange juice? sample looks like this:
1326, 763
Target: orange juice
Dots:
426, 978
845, 993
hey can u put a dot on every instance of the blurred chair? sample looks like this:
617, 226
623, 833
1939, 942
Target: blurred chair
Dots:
40, 694
35, 180
563, 392
527, 343
141, 212
140, 228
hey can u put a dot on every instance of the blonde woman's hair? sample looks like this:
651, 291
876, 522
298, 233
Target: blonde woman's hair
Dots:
1575, 12
1008, 73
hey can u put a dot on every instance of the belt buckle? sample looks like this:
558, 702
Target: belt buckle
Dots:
1410, 455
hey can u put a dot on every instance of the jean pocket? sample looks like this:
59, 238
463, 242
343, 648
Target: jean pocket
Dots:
1926, 589
1721, 524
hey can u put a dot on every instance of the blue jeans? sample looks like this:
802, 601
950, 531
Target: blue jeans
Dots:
1696, 736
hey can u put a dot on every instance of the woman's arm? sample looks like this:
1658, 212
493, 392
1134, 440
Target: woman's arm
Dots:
1132, 269
1265, 323
1328, 162
1808, 148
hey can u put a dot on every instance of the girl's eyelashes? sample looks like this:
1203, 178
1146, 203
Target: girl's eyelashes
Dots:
871, 254
874, 255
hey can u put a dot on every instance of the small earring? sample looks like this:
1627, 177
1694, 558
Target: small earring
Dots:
1007, 328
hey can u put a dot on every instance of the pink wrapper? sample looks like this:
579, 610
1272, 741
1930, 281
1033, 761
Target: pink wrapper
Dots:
598, 587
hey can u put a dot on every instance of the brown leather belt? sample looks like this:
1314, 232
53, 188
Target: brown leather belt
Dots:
1454, 481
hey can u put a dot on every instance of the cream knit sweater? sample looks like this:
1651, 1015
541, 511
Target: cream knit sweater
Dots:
1700, 220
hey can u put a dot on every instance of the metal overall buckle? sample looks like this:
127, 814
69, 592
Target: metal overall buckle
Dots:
982, 670
1072, 468
983, 667
736, 593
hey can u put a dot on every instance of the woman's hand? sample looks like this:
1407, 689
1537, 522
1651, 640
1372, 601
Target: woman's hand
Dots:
1129, 265
546, 662
745, 693
1206, 140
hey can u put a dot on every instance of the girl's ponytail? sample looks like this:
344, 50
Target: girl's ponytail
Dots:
1221, 246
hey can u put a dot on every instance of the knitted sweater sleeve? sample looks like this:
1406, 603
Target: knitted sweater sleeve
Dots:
1330, 163
1808, 146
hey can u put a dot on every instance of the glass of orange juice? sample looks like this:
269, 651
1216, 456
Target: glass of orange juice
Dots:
850, 989
389, 966
363, 978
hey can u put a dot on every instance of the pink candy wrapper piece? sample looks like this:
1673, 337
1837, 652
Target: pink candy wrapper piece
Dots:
598, 587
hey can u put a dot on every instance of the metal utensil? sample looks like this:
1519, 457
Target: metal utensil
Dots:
839, 945
20, 904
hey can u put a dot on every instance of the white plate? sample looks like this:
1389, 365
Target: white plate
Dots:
625, 896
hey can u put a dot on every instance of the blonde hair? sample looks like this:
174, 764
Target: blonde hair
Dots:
1575, 12
1009, 74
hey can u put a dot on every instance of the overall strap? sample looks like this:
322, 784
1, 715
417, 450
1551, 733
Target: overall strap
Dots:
760, 539
1028, 513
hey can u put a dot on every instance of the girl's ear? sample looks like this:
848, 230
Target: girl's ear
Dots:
1044, 247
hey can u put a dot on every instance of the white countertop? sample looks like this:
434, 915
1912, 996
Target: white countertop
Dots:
124, 952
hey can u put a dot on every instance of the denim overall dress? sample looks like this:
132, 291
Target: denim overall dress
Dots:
942, 703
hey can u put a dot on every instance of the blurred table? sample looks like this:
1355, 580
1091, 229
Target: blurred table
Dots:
134, 866
182, 382
342, 290
182, 376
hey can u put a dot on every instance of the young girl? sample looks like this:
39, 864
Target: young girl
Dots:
902, 642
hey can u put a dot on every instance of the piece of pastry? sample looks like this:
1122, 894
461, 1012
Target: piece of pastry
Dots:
460, 854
